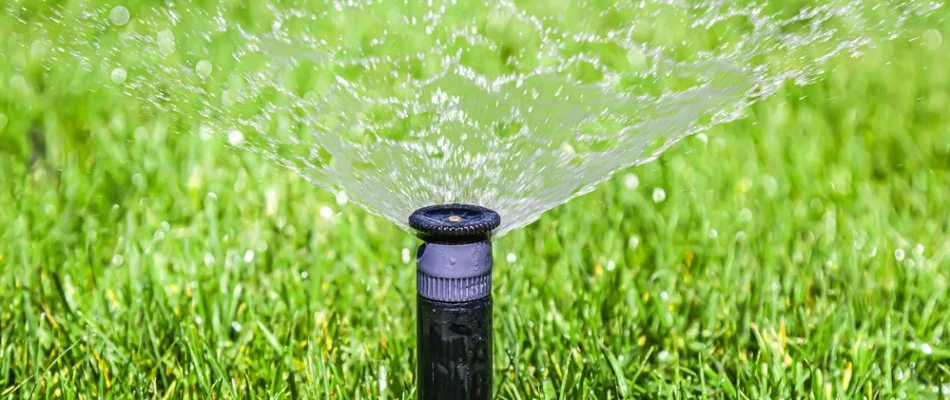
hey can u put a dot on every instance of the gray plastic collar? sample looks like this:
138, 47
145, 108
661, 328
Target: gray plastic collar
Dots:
454, 272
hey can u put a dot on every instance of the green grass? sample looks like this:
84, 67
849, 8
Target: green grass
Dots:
138, 261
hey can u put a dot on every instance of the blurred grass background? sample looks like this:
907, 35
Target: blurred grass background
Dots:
801, 252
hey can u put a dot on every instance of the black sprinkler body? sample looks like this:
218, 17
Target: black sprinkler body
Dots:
453, 285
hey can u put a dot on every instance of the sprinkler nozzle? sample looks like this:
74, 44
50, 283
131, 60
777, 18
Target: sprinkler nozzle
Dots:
455, 260
454, 222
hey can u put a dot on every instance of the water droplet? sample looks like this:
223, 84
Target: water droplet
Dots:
659, 195
205, 132
249, 256
166, 41
452, 260
611, 265
919, 250
235, 138
568, 150
899, 254
630, 181
406, 256
203, 68
212, 196
511, 257
933, 38
633, 242
713, 233
119, 15
119, 75
208, 259
341, 199
38, 49
19, 83
117, 260
235, 326
926, 349
664, 296
326, 212
745, 215
198, 320
138, 180
703, 138
664, 356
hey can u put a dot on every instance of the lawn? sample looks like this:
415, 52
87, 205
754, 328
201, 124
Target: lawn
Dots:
800, 252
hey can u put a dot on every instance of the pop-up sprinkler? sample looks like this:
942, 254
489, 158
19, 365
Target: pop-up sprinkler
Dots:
453, 286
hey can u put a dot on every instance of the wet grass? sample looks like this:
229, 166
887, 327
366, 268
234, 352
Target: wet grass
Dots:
801, 252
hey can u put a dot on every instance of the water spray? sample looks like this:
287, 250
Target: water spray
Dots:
454, 306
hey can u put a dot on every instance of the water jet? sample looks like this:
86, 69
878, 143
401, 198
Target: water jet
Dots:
453, 301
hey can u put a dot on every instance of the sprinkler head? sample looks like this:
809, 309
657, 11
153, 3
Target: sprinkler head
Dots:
454, 262
454, 222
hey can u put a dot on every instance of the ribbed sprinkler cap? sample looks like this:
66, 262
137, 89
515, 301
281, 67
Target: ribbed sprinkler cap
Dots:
454, 221
455, 262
